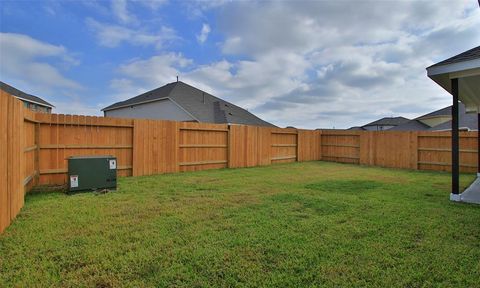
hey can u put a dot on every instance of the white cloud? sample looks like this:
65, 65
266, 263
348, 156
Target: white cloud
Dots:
30, 60
119, 9
202, 37
36, 67
77, 107
152, 4
138, 76
324, 64
357, 62
113, 35
196, 8
241, 82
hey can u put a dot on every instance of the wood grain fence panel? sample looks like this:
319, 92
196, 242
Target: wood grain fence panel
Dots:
203, 146
155, 146
30, 153
63, 136
283, 145
434, 151
4, 195
237, 150
15, 157
249, 146
243, 146
308, 145
366, 143
392, 149
264, 146
138, 136
340, 146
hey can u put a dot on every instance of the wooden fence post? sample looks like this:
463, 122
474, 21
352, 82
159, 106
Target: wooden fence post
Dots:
319, 151
365, 148
297, 140
135, 147
37, 154
414, 150
229, 150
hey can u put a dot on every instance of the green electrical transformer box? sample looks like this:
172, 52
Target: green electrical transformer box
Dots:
92, 173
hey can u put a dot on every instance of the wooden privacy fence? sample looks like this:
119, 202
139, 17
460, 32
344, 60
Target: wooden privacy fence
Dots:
417, 150
148, 147
166, 146
35, 147
13, 156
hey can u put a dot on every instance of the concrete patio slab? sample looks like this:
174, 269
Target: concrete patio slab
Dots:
472, 193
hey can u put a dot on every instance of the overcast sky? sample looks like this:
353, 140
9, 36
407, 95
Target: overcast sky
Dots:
306, 64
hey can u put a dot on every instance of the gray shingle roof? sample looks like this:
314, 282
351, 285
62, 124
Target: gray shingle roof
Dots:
471, 54
155, 94
356, 128
448, 126
25, 96
202, 106
388, 121
447, 111
412, 125
464, 121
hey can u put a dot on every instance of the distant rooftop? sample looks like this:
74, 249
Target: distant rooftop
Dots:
388, 121
203, 106
447, 111
468, 55
466, 121
24, 96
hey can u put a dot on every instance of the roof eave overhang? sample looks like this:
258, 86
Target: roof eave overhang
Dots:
150, 101
35, 102
468, 74
109, 108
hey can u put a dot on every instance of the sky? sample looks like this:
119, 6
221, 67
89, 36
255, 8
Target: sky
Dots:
307, 64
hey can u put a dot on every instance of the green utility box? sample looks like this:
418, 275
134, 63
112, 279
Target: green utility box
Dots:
91, 173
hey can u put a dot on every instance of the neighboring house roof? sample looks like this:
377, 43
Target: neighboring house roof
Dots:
24, 96
466, 121
202, 106
468, 55
447, 111
412, 125
356, 128
388, 121
469, 124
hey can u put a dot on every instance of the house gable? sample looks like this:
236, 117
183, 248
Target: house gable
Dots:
199, 105
161, 109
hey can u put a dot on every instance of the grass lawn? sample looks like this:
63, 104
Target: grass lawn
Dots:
291, 225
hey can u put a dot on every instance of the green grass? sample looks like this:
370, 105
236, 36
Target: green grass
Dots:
293, 225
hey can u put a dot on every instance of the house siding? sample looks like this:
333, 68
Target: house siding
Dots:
377, 127
36, 107
434, 121
162, 110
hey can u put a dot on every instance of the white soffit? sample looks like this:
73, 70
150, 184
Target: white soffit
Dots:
468, 75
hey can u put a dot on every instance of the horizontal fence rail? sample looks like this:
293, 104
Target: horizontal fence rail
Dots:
36, 147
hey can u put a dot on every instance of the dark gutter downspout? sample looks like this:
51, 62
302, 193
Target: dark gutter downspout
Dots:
455, 139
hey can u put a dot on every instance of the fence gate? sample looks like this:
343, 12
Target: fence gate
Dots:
202, 146
284, 146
